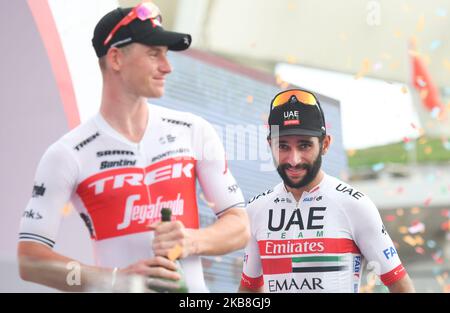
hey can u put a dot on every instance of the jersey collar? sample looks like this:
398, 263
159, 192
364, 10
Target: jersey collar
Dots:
281, 188
104, 126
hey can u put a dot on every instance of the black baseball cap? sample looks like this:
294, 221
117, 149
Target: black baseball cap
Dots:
139, 31
296, 112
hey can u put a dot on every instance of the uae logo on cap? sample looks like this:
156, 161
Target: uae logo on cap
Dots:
291, 118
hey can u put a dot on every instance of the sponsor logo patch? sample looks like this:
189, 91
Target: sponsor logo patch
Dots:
38, 191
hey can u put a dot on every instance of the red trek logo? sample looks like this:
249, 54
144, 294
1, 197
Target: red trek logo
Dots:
124, 201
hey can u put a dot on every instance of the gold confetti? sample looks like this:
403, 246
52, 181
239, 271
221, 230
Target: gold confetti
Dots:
284, 85
447, 64
351, 152
250, 99
67, 210
366, 66
292, 59
175, 252
409, 240
422, 140
398, 34
419, 240
403, 230
442, 116
440, 280
364, 289
423, 94
400, 212
428, 150
404, 89
415, 210
394, 65
414, 41
281, 83
292, 6
278, 79
420, 23
414, 53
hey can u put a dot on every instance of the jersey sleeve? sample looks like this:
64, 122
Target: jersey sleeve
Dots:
252, 275
374, 242
220, 188
54, 183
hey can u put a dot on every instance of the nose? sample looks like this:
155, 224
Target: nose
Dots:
294, 158
164, 65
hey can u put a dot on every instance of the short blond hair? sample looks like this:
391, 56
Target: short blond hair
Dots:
102, 60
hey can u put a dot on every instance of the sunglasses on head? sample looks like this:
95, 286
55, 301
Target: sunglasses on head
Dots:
143, 11
298, 97
302, 97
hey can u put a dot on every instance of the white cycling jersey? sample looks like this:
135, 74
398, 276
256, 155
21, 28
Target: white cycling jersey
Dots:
317, 244
119, 187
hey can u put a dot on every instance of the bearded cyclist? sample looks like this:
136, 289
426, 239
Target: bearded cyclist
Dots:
311, 232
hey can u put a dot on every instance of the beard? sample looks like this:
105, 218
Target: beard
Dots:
312, 170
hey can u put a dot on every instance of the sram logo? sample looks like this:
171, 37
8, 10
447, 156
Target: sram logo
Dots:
167, 172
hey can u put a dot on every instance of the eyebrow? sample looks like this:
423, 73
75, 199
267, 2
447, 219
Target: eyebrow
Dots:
299, 141
157, 49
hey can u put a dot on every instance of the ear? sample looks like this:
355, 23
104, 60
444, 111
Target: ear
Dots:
326, 144
114, 58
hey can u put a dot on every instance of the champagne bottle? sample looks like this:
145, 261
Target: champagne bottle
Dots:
166, 216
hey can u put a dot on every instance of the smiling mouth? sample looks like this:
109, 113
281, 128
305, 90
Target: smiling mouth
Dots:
295, 173
159, 81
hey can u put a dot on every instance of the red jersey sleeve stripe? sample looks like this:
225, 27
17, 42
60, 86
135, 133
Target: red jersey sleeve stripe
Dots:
393, 276
252, 283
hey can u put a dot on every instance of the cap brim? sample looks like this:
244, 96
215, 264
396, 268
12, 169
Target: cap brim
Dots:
173, 40
296, 132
